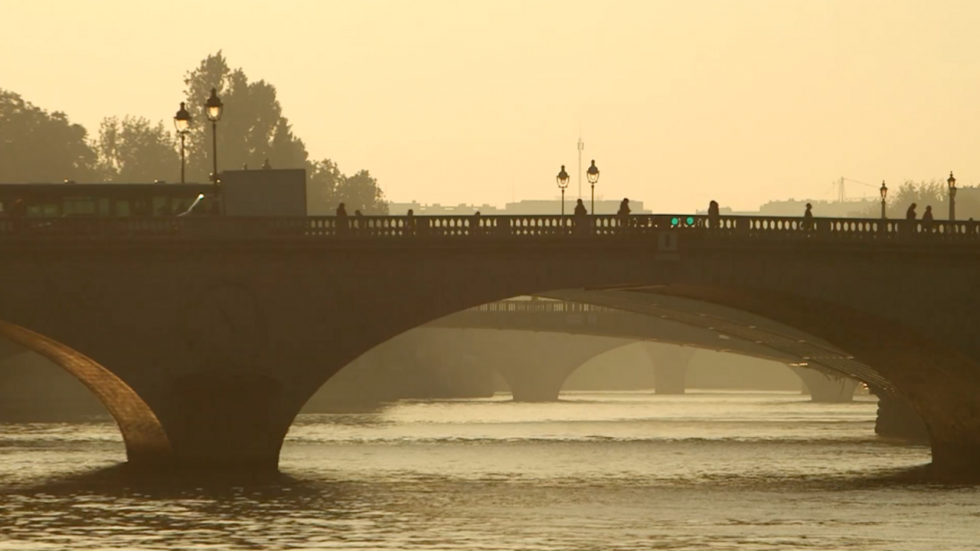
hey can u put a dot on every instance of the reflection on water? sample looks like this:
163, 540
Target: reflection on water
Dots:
596, 471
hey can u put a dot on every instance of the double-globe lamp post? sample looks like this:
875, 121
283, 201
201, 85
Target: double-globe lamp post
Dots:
182, 122
952, 196
562, 180
593, 175
884, 195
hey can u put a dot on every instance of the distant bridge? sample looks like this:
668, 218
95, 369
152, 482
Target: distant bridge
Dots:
684, 322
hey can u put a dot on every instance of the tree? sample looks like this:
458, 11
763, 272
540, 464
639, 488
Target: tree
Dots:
361, 192
251, 130
134, 150
322, 179
923, 194
37, 146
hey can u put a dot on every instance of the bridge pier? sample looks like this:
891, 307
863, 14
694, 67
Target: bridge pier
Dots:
898, 419
824, 388
226, 421
669, 366
534, 364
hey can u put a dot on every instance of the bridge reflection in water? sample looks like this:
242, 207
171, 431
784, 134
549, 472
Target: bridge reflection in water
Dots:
219, 329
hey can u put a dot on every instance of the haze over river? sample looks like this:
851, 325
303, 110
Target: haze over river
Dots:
594, 471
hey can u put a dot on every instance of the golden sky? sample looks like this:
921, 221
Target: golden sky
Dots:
451, 101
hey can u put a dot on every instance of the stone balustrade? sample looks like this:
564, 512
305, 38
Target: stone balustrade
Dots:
538, 306
539, 226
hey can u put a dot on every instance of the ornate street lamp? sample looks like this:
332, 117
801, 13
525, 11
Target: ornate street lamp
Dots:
562, 179
952, 196
884, 196
213, 107
593, 175
182, 122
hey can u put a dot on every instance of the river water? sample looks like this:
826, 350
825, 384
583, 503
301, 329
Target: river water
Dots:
594, 471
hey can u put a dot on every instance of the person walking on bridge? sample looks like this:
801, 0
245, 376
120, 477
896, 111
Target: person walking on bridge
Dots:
910, 220
341, 222
927, 219
624, 214
808, 218
409, 228
581, 220
714, 215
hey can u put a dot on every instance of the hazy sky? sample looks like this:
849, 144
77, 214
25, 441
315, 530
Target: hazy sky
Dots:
679, 101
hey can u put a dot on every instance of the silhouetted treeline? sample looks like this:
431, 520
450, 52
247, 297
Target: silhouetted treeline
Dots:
41, 146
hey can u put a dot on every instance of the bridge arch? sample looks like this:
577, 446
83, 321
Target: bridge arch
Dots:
934, 378
896, 351
144, 437
322, 298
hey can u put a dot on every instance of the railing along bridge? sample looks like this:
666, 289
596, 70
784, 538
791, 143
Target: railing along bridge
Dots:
487, 227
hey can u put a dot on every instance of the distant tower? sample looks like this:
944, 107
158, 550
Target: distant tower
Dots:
581, 147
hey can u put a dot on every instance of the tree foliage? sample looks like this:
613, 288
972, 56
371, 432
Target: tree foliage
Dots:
252, 127
361, 192
134, 150
923, 194
327, 187
37, 146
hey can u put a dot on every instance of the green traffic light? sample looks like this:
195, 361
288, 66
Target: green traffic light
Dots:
674, 221
690, 220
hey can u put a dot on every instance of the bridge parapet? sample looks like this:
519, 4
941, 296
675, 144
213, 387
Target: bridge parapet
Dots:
534, 306
538, 226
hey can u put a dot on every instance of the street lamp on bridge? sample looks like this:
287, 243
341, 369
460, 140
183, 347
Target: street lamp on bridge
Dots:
562, 179
213, 107
884, 196
952, 196
593, 175
182, 122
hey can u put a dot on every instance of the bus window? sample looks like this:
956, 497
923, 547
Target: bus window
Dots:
104, 207
141, 207
79, 206
161, 206
180, 204
122, 207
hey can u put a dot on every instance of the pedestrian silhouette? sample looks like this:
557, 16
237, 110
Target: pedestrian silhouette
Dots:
910, 214
475, 228
581, 221
808, 217
624, 214
409, 223
359, 222
624, 208
927, 219
341, 223
714, 215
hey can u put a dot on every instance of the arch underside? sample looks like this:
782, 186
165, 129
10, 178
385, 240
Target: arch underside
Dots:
787, 344
680, 323
142, 432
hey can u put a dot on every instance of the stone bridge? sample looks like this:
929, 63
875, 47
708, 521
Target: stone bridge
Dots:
682, 322
205, 336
